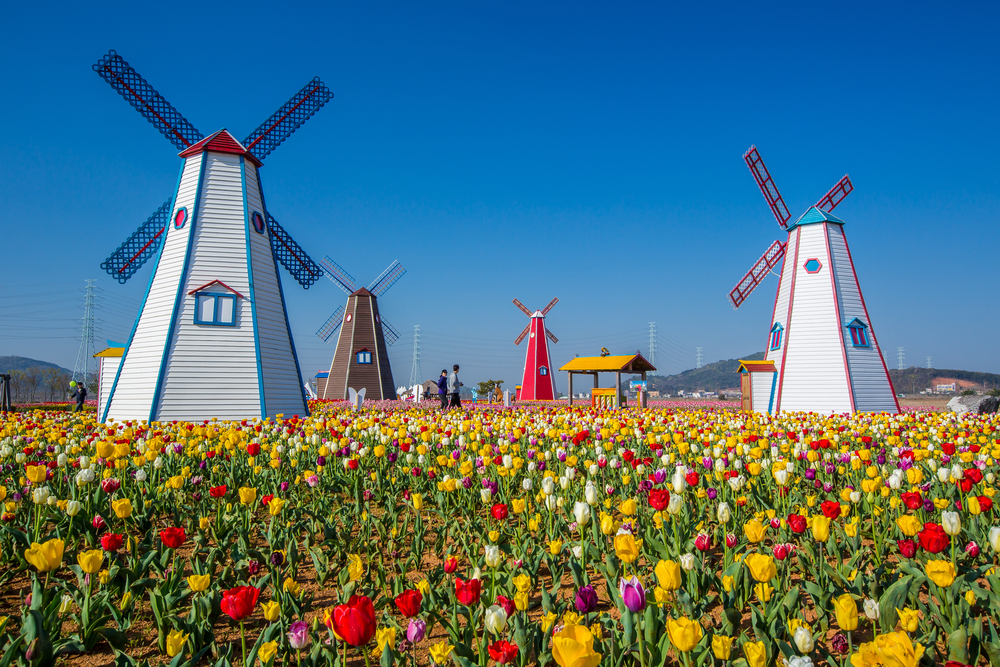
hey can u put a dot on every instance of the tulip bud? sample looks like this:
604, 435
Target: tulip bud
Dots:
951, 522
871, 609
803, 640
723, 513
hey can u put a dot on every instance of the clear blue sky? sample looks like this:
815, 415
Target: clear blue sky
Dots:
499, 150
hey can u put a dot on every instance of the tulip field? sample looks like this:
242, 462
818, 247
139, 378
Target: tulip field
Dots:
538, 535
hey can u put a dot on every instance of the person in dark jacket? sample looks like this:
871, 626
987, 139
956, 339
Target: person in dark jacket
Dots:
442, 383
80, 394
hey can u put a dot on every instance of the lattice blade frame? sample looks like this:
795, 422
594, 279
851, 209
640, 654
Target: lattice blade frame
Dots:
292, 256
756, 275
836, 194
153, 107
389, 332
551, 336
336, 273
523, 334
546, 309
331, 325
387, 279
767, 186
143, 244
287, 119
523, 309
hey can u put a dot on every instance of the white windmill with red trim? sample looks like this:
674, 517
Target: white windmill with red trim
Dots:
822, 352
537, 383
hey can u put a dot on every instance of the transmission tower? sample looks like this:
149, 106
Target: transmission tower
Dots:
415, 372
930, 363
652, 343
697, 358
85, 357
900, 355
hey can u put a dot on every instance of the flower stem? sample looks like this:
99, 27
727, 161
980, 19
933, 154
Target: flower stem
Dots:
243, 639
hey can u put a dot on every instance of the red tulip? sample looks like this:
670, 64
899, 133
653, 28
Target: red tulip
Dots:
253, 449
503, 651
173, 537
408, 603
907, 547
691, 478
933, 538
355, 621
111, 542
499, 511
239, 602
266, 500
659, 499
450, 565
98, 523
948, 448
468, 592
508, 605
703, 542
797, 523
780, 551
985, 504
974, 474
730, 540
217, 491
912, 499
964, 485
831, 509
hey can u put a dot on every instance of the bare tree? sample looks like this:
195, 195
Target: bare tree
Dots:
56, 381
17, 385
32, 380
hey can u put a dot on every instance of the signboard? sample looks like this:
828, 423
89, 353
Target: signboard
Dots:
636, 385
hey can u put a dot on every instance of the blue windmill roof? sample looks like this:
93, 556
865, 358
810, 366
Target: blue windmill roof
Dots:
813, 216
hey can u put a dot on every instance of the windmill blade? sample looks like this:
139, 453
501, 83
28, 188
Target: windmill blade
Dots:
387, 279
546, 309
143, 244
523, 309
551, 336
336, 273
767, 186
153, 107
523, 334
287, 119
836, 194
389, 332
756, 275
291, 256
331, 325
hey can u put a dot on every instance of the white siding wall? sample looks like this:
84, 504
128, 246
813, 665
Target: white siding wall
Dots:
760, 384
282, 387
133, 396
211, 371
781, 301
814, 377
872, 391
109, 368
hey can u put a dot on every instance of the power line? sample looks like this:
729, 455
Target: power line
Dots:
652, 343
415, 372
900, 355
85, 357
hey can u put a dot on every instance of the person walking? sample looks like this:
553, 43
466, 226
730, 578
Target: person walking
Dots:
80, 394
453, 388
442, 383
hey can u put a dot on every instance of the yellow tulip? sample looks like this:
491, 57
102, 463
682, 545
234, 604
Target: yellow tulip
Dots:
941, 572
175, 642
755, 653
122, 508
522, 583
660, 596
45, 557
821, 528
36, 474
440, 652
846, 610
626, 548
521, 601
90, 561
199, 582
909, 524
628, 507
684, 633
547, 621
668, 575
267, 651
248, 496
385, 636
418, 501
607, 524
292, 587
895, 649
762, 567
909, 619
727, 583
275, 506
555, 547
518, 505
722, 647
754, 530
764, 592
355, 567
573, 646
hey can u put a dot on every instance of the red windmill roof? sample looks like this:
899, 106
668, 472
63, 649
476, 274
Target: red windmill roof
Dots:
220, 142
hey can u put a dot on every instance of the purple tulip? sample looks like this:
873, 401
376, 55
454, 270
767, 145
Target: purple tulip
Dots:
298, 635
810, 474
660, 476
415, 631
633, 594
712, 493
586, 600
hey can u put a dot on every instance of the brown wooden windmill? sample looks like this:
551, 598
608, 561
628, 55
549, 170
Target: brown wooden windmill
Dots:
361, 360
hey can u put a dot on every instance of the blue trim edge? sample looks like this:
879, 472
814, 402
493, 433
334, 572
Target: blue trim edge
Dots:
774, 386
253, 298
180, 290
284, 310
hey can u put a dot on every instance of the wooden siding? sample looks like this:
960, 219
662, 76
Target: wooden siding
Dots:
872, 389
813, 375
211, 371
387, 390
360, 332
106, 376
761, 388
282, 386
137, 374
780, 315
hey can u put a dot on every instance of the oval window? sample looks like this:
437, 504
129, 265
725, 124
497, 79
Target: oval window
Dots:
258, 222
180, 217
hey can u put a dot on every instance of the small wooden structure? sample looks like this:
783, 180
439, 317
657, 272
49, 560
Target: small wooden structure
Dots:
617, 364
758, 380
108, 362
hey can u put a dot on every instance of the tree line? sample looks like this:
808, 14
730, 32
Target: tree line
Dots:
44, 385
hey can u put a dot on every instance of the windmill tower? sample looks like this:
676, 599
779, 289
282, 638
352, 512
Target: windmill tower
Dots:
361, 360
822, 353
537, 383
212, 336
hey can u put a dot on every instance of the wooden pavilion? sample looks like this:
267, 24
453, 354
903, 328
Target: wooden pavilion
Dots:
633, 364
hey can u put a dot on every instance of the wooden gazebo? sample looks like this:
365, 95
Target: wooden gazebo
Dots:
633, 364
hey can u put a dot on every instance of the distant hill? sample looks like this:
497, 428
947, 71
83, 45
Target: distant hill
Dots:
12, 363
912, 380
710, 377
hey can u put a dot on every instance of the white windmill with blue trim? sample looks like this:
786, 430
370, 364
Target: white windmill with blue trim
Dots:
212, 337
822, 353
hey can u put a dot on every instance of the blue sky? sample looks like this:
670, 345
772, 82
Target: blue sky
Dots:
586, 151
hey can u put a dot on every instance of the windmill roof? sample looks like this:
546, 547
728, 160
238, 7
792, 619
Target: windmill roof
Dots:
629, 363
815, 215
756, 366
220, 142
363, 291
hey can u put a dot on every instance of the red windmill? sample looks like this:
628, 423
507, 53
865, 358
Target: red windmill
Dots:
537, 384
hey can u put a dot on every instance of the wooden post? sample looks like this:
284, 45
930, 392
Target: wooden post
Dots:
618, 389
570, 374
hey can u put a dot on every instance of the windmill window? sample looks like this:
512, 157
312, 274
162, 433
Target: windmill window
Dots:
859, 333
258, 222
776, 332
364, 357
542, 370
180, 217
215, 309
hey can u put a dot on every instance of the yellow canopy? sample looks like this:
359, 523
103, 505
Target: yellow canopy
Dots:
111, 352
626, 363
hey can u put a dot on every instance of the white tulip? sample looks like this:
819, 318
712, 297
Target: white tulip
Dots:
943, 474
140, 475
951, 522
855, 497
563, 483
871, 609
687, 561
551, 503
570, 473
995, 538
679, 483
781, 477
581, 512
495, 619
577, 552
593, 469
590, 494
40, 495
532, 466
724, 514
493, 557
486, 495
526, 484
957, 472
73, 508
548, 486
675, 504
61, 460
158, 462
803, 640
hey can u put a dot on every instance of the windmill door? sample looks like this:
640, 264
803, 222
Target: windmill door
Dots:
746, 389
